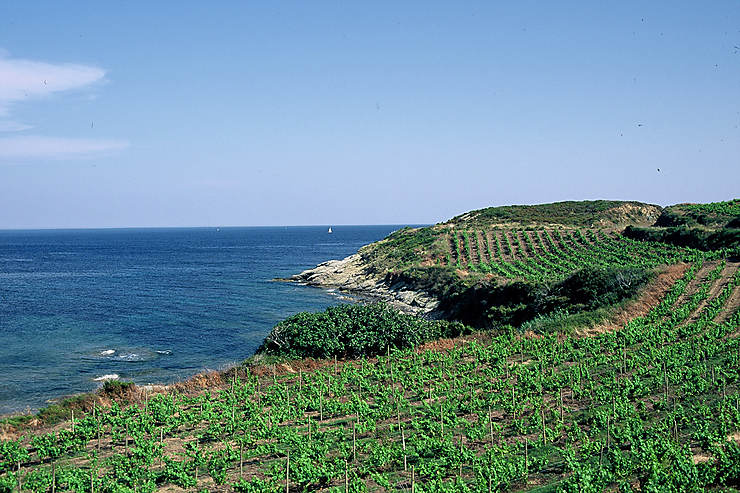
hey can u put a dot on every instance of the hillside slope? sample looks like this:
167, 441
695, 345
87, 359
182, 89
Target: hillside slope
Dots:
610, 364
702, 226
489, 267
651, 406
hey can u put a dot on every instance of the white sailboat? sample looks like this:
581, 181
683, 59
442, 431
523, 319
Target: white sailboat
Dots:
329, 229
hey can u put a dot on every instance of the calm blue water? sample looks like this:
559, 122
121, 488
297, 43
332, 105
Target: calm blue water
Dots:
149, 305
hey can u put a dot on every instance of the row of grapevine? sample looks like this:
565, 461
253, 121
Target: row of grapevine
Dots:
541, 255
604, 412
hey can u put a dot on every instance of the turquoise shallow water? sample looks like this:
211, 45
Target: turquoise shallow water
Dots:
148, 305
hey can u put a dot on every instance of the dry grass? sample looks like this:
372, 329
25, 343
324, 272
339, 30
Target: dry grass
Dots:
648, 298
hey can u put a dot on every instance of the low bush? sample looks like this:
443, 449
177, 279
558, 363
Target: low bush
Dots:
353, 331
116, 389
701, 239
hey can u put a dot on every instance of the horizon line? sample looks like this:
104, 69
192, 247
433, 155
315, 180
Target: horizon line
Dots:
97, 228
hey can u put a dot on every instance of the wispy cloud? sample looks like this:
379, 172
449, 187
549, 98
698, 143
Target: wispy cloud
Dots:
22, 80
11, 126
37, 147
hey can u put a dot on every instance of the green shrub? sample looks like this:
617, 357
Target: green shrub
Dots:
683, 236
594, 287
353, 331
114, 388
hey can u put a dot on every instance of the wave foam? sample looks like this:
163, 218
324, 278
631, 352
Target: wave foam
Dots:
107, 352
130, 357
106, 377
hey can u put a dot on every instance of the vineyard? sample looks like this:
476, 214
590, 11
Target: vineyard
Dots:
653, 406
526, 403
544, 254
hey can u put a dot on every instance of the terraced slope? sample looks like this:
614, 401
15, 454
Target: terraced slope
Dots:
653, 406
547, 254
704, 226
488, 268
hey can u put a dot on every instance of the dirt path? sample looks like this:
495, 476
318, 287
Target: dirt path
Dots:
718, 285
649, 298
693, 285
733, 305
534, 235
482, 253
521, 235
451, 246
551, 248
492, 237
474, 250
515, 254
505, 255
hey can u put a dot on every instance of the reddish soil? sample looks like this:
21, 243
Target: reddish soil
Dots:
482, 253
718, 285
732, 306
700, 276
649, 298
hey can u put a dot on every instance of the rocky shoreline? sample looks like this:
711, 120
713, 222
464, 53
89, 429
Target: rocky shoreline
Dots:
351, 276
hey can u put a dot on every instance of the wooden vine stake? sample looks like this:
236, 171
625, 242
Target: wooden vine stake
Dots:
544, 429
346, 477
561, 404
354, 441
403, 443
73, 420
526, 461
461, 453
665, 380
413, 484
287, 474
490, 423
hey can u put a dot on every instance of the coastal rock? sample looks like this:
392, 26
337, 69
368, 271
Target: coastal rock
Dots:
351, 276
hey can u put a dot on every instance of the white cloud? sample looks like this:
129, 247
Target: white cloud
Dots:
21, 80
37, 147
11, 126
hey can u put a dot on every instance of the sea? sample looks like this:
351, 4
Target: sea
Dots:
151, 306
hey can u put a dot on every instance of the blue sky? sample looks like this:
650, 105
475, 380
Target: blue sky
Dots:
270, 113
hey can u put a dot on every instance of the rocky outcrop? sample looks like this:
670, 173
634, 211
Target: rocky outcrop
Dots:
351, 276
